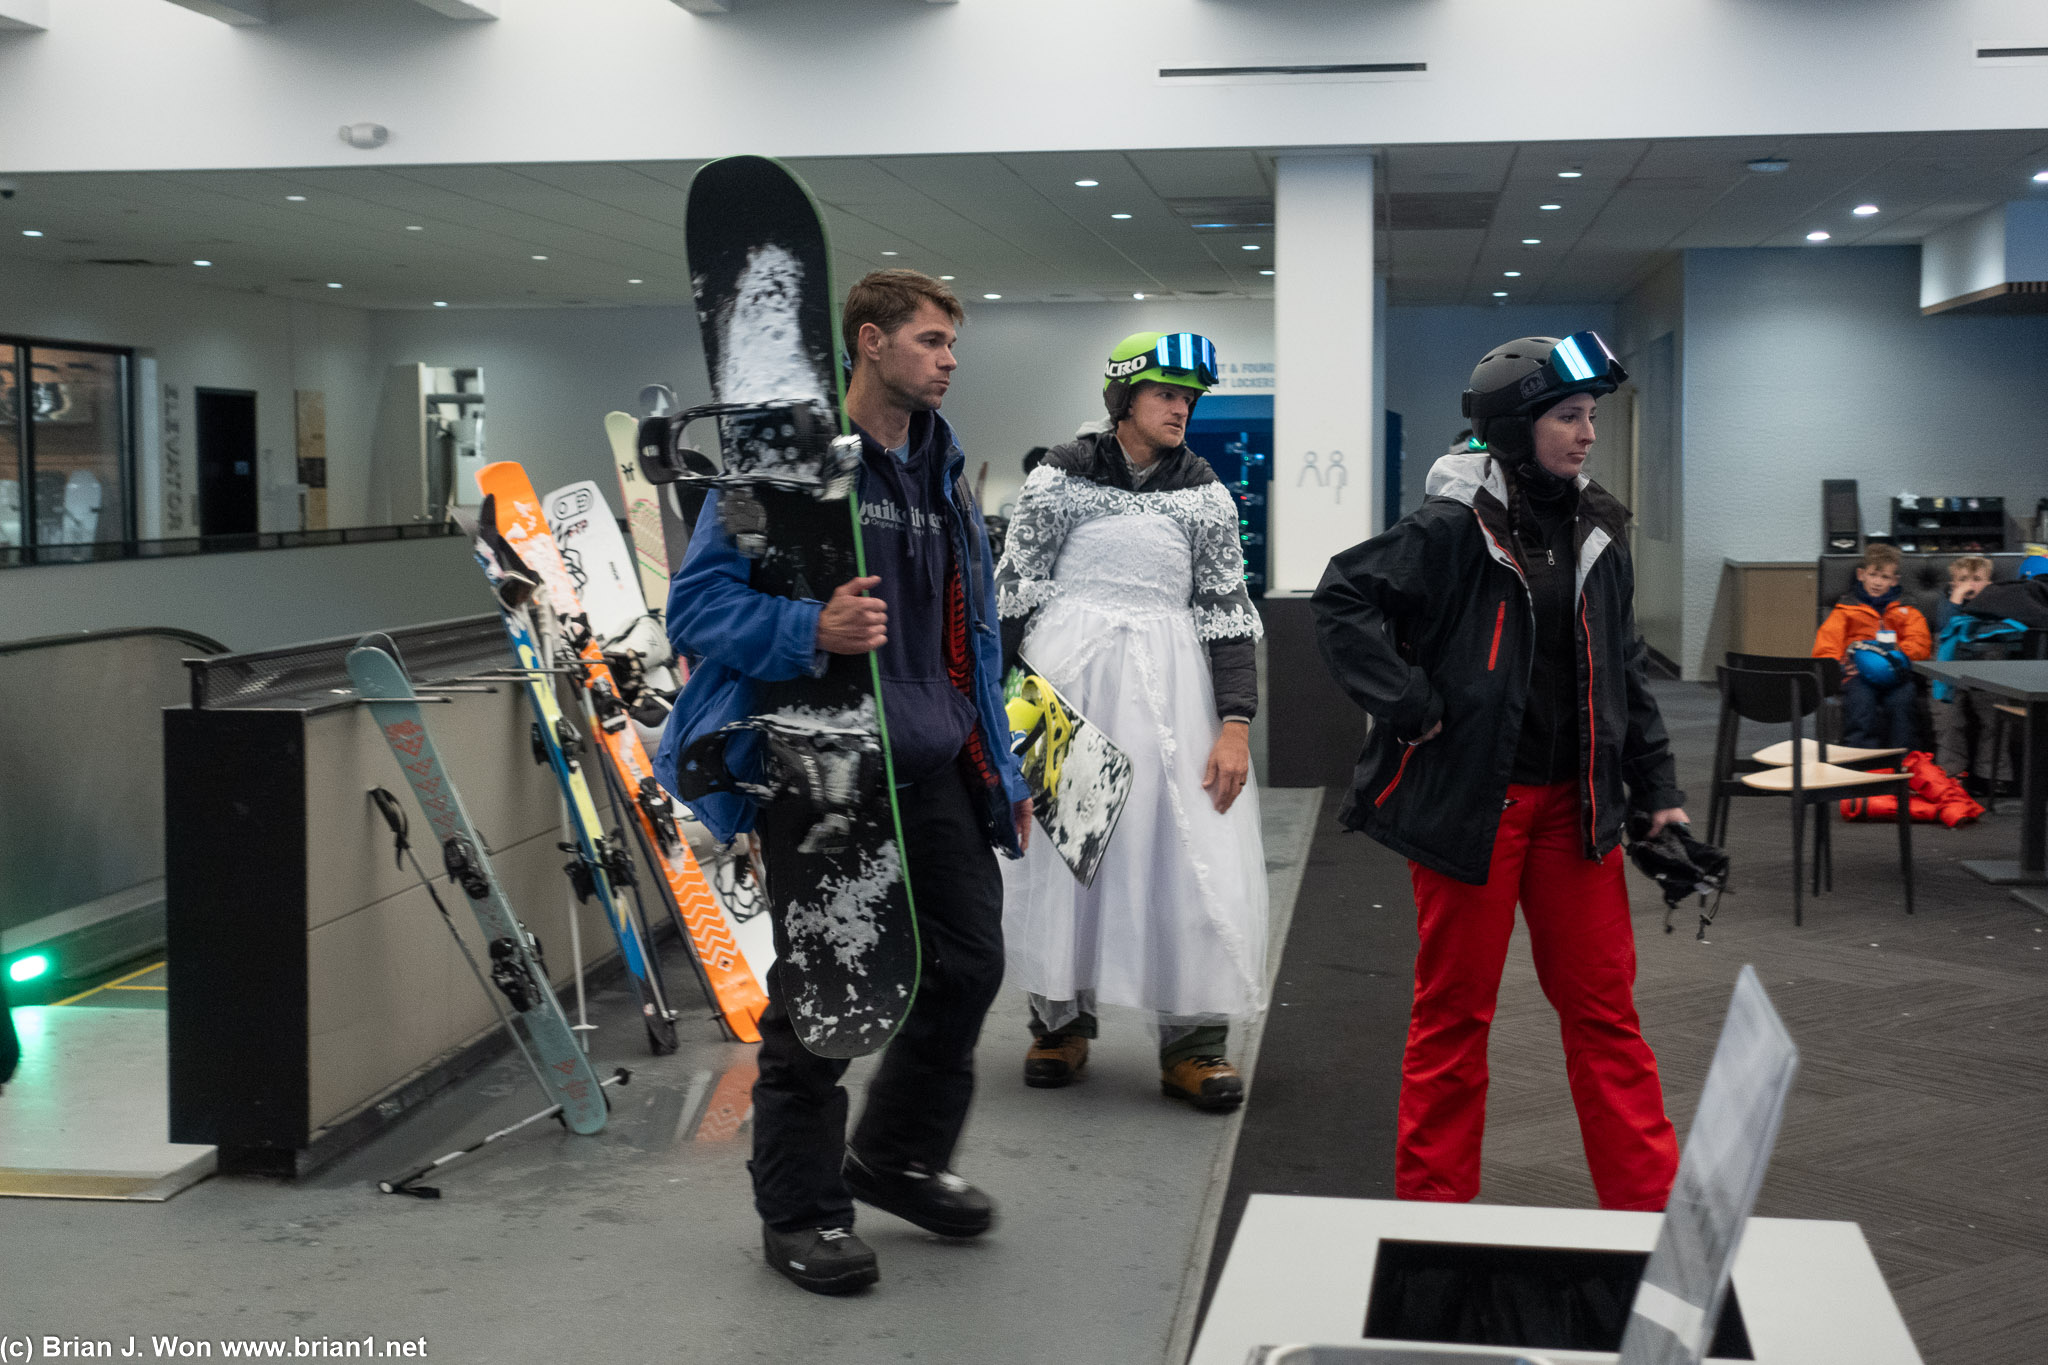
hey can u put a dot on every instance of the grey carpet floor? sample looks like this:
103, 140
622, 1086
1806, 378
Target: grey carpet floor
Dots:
1923, 1084
1924, 1046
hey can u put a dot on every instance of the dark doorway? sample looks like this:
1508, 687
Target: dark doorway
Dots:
226, 421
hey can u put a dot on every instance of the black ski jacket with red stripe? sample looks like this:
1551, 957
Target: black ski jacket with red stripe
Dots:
1431, 621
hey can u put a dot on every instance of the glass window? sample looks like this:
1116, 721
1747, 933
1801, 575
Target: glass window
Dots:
10, 448
78, 444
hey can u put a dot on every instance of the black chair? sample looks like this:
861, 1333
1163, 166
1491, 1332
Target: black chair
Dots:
1788, 698
1729, 768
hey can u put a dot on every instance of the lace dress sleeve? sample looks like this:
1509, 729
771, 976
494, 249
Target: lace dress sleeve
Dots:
1038, 528
1222, 606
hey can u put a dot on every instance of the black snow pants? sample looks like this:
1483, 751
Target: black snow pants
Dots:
917, 1101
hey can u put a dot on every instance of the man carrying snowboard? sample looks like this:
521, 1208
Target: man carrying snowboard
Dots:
927, 612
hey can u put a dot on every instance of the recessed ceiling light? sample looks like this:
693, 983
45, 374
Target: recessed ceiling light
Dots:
334, 284
636, 281
991, 296
1086, 184
295, 199
889, 253
945, 277
1512, 274
2041, 177
1119, 216
1250, 246
414, 227
1864, 210
1137, 296
1500, 293
1816, 236
1550, 208
1569, 175
1532, 241
202, 262
540, 258
31, 232
1265, 272
440, 303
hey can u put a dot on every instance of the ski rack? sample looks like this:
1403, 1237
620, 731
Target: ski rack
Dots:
455, 650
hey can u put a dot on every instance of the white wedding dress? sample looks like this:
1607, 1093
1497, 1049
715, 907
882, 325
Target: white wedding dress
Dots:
1127, 588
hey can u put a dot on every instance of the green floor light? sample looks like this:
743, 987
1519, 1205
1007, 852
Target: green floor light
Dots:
28, 968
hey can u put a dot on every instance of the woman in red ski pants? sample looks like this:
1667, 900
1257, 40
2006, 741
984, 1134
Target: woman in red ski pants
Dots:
1491, 633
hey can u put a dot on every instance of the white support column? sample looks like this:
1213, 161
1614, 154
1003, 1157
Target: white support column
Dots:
24, 16
1325, 415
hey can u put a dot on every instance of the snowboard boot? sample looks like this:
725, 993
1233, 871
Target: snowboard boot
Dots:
937, 1201
1054, 1060
1209, 1083
822, 1260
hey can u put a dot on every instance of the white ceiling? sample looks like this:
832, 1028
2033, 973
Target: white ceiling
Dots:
1016, 225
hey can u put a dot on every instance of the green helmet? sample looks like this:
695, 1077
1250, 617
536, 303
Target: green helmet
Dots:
1182, 358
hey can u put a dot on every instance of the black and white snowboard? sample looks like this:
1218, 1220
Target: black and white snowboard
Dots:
839, 892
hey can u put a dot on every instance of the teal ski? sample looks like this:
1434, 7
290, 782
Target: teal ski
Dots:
515, 965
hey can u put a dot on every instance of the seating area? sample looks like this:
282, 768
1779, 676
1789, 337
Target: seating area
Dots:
1809, 773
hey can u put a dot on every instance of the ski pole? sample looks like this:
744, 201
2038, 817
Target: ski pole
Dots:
404, 1184
394, 816
583, 1028
615, 791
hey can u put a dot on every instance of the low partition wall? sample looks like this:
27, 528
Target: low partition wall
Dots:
315, 994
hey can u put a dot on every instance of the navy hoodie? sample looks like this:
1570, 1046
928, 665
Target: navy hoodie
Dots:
903, 526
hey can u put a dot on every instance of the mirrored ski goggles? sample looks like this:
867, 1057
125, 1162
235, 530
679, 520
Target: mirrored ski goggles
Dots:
1174, 353
1583, 357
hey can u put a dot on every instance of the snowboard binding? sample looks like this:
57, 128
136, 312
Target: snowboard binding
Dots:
791, 445
1041, 732
833, 771
510, 975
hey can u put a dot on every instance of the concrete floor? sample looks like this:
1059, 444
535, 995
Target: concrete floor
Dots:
640, 1244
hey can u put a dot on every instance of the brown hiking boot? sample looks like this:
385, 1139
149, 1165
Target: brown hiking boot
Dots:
1054, 1060
1205, 1082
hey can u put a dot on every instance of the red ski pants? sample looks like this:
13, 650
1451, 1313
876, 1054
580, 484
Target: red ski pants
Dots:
1579, 930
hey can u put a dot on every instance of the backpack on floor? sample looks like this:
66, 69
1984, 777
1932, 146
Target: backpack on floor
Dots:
1936, 798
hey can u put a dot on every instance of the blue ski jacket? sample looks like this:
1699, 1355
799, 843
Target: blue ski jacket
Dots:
747, 637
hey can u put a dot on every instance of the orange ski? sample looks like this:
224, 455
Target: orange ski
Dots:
735, 991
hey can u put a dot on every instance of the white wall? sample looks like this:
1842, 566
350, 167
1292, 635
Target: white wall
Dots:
258, 600
1430, 353
551, 374
216, 338
1653, 311
1807, 364
642, 79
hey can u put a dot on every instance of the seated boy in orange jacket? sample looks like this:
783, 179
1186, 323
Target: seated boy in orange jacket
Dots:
1875, 717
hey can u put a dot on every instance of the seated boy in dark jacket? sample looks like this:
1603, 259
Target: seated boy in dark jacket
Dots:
1875, 717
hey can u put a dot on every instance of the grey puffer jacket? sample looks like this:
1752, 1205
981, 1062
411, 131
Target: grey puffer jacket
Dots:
1096, 458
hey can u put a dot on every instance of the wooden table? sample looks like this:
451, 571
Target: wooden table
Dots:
2026, 682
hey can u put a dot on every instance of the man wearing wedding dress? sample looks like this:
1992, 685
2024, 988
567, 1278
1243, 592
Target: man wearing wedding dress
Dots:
1122, 583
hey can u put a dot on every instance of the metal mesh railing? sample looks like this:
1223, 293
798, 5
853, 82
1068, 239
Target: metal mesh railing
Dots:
318, 668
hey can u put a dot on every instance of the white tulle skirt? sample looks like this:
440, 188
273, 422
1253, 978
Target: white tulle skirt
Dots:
1176, 919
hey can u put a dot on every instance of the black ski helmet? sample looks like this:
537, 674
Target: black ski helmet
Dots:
1516, 382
